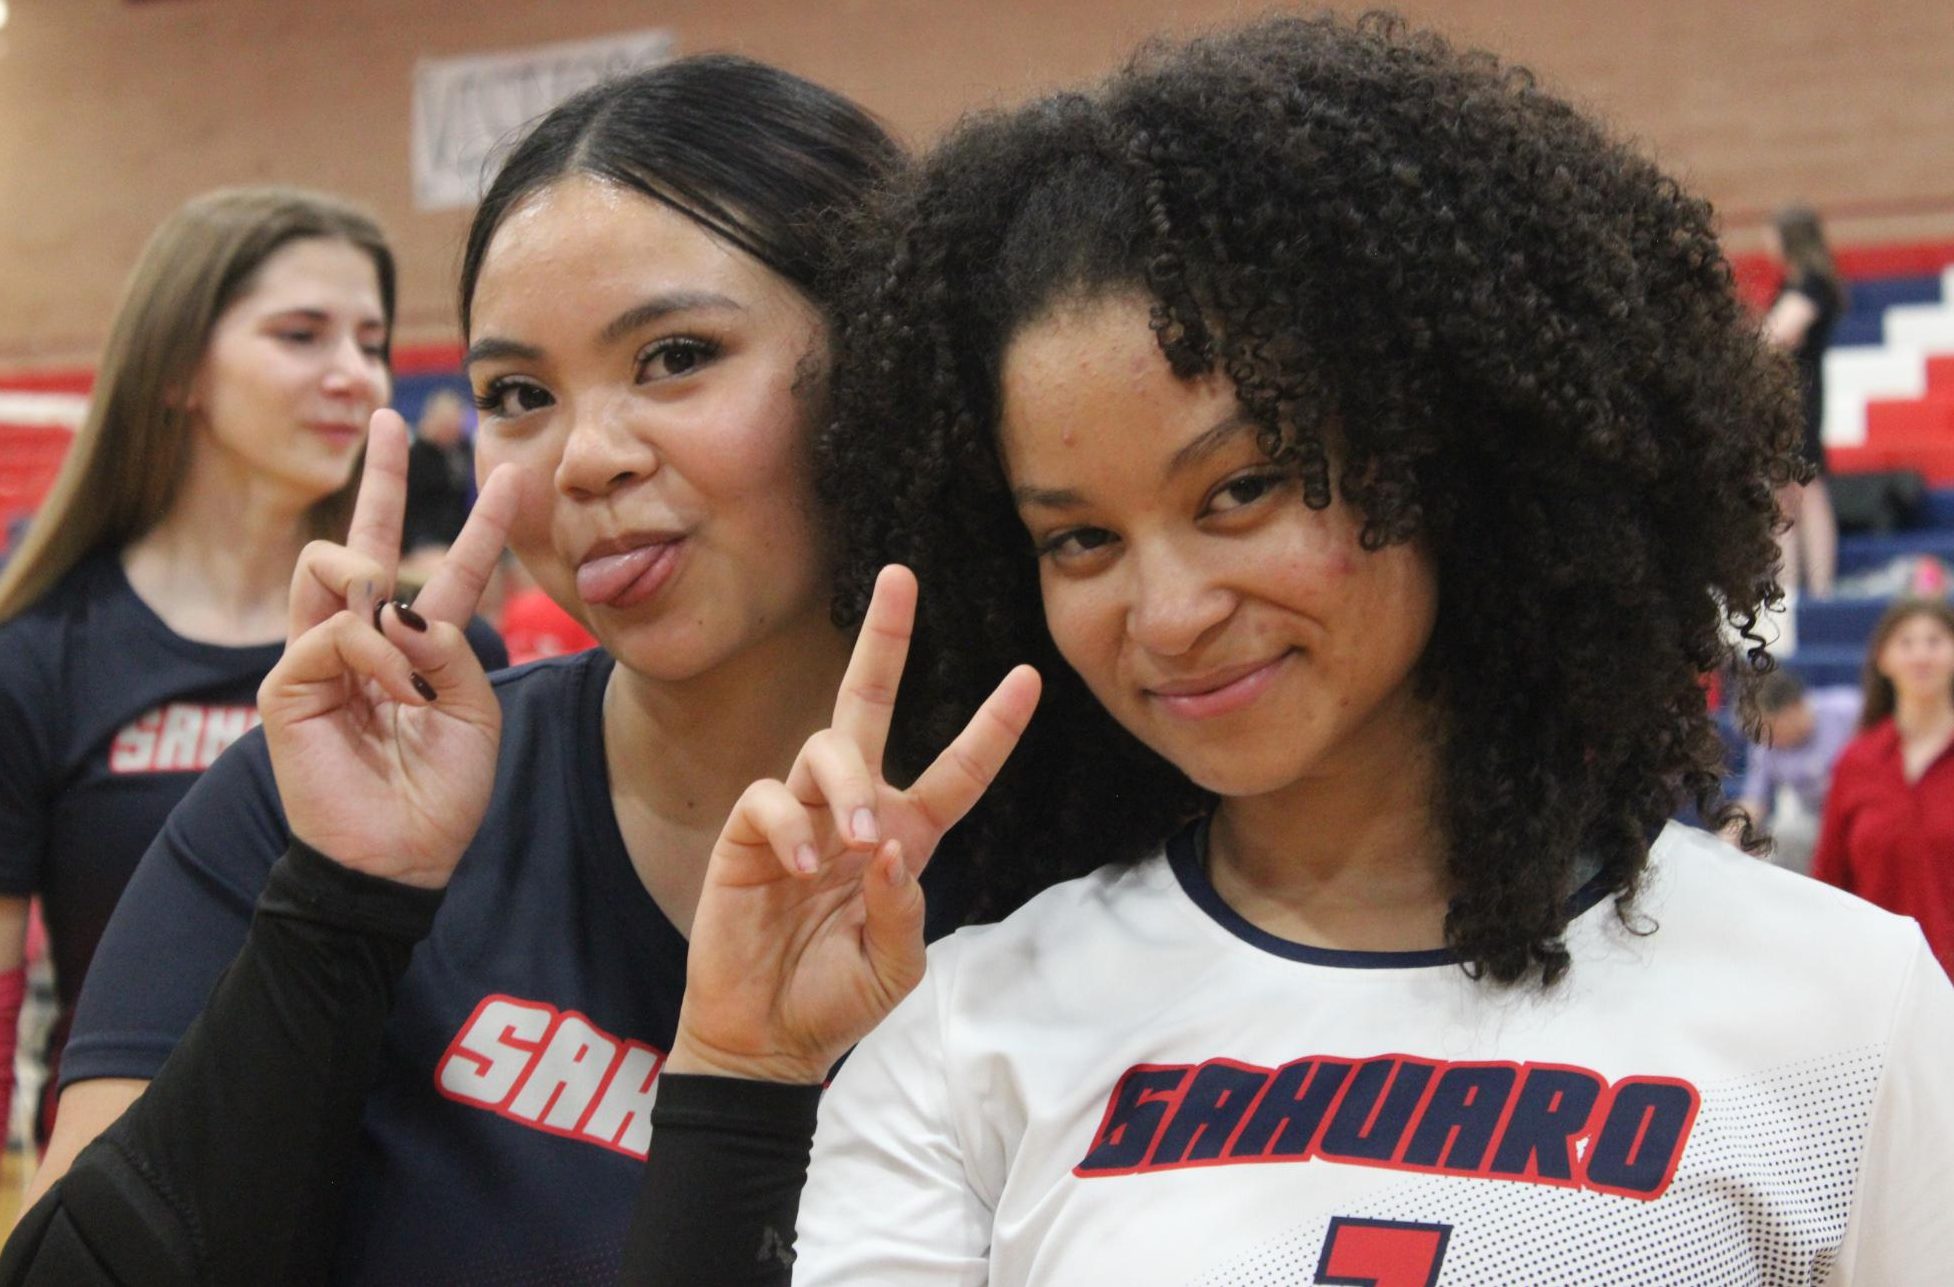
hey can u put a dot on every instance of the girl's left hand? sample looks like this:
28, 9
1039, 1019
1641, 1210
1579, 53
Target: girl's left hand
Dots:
810, 925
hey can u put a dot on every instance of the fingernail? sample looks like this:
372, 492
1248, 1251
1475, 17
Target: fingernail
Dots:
410, 618
894, 871
379, 606
421, 686
863, 825
805, 860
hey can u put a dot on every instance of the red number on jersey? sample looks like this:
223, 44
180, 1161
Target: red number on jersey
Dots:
1382, 1253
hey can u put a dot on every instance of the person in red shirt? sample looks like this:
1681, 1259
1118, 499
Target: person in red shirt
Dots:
1888, 834
534, 626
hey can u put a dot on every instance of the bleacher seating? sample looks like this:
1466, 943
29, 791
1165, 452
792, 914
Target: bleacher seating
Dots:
39, 411
30, 456
1889, 405
1889, 396
1831, 633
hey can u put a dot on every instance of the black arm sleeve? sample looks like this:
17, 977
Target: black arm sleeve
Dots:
231, 1166
722, 1183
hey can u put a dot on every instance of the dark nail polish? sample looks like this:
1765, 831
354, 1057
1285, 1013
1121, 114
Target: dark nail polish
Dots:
421, 686
410, 618
379, 606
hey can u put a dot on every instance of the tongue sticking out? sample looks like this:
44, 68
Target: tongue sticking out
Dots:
601, 580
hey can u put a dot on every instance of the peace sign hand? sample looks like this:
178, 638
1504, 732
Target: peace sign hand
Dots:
382, 727
810, 927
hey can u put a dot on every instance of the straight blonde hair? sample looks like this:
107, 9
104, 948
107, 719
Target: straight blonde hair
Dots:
126, 465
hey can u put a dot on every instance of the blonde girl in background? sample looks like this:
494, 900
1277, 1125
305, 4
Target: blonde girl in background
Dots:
148, 598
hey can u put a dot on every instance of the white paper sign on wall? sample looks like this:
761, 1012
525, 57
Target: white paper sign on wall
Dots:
467, 107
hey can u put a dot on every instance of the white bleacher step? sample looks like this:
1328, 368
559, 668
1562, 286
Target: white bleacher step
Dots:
1927, 327
1856, 374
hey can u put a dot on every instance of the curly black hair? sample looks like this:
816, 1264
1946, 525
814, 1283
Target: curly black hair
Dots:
1522, 339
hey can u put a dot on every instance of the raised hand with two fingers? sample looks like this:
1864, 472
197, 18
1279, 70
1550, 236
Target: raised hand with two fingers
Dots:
810, 926
382, 726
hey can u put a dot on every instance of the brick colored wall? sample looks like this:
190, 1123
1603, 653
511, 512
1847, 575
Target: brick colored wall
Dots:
111, 114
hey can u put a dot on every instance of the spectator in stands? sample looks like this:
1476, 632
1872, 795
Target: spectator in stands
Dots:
1787, 774
1889, 819
148, 598
440, 475
1800, 322
536, 626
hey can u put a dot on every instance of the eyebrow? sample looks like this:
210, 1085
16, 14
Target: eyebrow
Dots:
1209, 442
654, 309
319, 316
1047, 497
492, 349
1206, 444
662, 306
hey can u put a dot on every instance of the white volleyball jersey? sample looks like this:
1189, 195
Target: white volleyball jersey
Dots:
1749, 1082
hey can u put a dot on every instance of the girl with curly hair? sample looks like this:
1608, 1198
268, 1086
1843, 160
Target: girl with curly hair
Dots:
1372, 456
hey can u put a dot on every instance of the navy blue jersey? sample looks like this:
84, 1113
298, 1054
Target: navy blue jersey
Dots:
505, 1140
107, 716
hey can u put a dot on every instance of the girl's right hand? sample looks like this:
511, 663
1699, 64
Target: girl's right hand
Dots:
810, 926
382, 727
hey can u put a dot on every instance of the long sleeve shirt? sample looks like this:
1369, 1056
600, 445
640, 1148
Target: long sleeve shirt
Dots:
1889, 840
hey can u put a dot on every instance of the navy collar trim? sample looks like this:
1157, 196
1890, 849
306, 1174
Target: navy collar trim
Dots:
1187, 855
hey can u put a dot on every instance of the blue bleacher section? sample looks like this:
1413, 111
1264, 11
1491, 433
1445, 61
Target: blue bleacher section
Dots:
1832, 633
411, 392
1872, 296
1938, 509
1864, 551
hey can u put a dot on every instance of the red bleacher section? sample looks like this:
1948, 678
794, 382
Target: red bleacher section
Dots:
408, 359
80, 381
30, 455
1758, 274
1912, 433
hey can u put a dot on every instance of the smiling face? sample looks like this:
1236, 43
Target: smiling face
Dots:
643, 376
294, 369
1918, 658
1244, 636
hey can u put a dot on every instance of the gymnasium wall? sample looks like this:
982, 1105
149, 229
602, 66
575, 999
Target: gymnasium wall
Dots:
112, 113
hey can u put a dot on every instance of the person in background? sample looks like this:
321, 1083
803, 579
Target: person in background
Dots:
1800, 322
440, 475
1888, 832
1786, 774
536, 626
148, 598
1349, 424
646, 295
1400, 769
